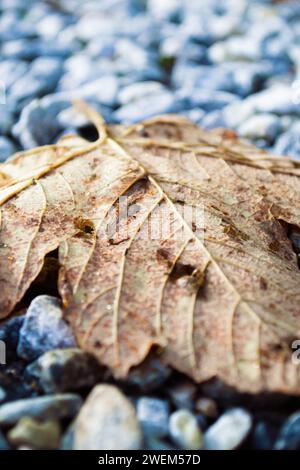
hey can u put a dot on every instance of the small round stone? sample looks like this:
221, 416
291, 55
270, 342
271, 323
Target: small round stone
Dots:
184, 430
66, 370
262, 126
149, 375
44, 328
153, 415
207, 407
107, 421
29, 432
42, 408
229, 431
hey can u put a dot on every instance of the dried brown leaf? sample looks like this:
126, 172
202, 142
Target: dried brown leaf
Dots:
219, 294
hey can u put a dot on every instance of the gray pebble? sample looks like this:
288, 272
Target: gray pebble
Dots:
7, 148
36, 435
2, 394
20, 49
261, 126
3, 442
184, 430
289, 436
139, 90
65, 370
153, 415
213, 120
9, 333
207, 407
149, 375
103, 90
229, 431
146, 107
209, 100
41, 408
44, 329
182, 394
12, 70
166, 10
6, 117
107, 421
277, 100
264, 435
51, 25
37, 124
42, 78
289, 143
67, 440
235, 48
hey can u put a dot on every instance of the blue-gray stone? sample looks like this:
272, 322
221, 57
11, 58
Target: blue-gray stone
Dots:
20, 49
261, 126
41, 79
3, 394
44, 329
166, 10
195, 115
12, 70
149, 375
213, 120
229, 431
278, 99
264, 435
289, 143
3, 442
153, 415
31, 49
9, 333
146, 107
176, 46
289, 436
38, 124
104, 90
209, 100
7, 148
65, 370
238, 78
136, 91
182, 394
51, 25
43, 408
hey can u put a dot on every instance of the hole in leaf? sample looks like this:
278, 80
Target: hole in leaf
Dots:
45, 283
181, 270
88, 132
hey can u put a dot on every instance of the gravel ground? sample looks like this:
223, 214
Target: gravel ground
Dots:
229, 64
